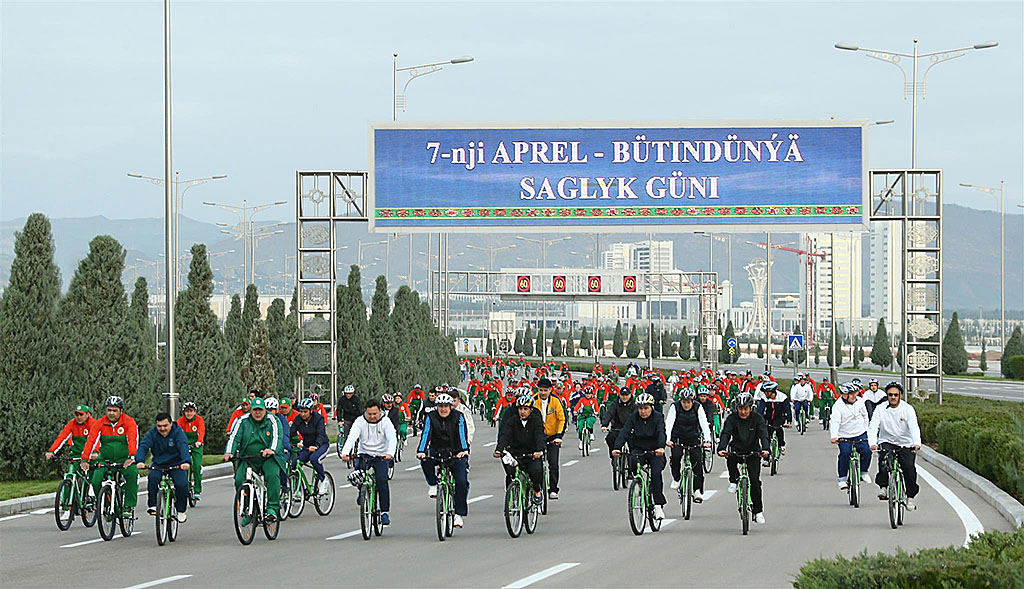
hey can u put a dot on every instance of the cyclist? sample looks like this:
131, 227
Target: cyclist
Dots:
256, 435
873, 396
273, 408
616, 415
645, 431
745, 432
446, 432
289, 413
776, 411
318, 407
586, 410
195, 432
686, 424
406, 416
117, 438
377, 443
827, 395
169, 445
712, 407
415, 398
657, 390
553, 413
849, 429
802, 394
509, 400
894, 429
349, 408
522, 434
75, 433
465, 410
242, 409
391, 411
313, 442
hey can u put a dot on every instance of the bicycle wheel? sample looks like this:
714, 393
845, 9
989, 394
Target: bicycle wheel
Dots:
192, 488
449, 520
775, 465
709, 458
902, 494
514, 509
854, 482
270, 530
532, 516
378, 523
391, 470
894, 501
637, 509
127, 524
245, 516
688, 494
744, 505
544, 489
107, 518
615, 472
64, 505
161, 518
324, 502
653, 521
172, 522
87, 507
398, 451
441, 514
366, 514
297, 500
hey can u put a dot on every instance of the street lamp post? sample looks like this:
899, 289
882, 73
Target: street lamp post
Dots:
544, 243
245, 214
1002, 254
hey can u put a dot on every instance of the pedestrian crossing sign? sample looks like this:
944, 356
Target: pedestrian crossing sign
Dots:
795, 342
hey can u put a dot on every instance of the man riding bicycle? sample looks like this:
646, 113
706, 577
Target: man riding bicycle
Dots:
377, 443
553, 413
75, 433
349, 408
261, 438
616, 415
522, 435
894, 428
586, 410
686, 425
849, 429
645, 431
313, 442
802, 394
194, 427
745, 433
776, 412
167, 441
446, 435
117, 438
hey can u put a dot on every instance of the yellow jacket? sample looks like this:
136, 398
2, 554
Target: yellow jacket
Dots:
554, 420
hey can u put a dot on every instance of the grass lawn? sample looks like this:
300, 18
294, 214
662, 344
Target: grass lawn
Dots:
13, 490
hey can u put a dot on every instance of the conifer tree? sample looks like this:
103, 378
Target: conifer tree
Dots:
357, 362
585, 343
617, 341
257, 370
954, 354
633, 347
881, 353
684, 345
556, 342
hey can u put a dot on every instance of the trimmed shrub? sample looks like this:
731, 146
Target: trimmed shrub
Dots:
1017, 367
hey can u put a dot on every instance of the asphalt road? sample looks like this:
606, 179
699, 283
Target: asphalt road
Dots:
585, 540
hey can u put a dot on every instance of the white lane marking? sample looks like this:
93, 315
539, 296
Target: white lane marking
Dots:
570, 463
42, 511
412, 468
489, 444
345, 535
724, 475
709, 494
221, 478
345, 486
159, 582
480, 498
3, 519
77, 544
972, 525
667, 522
527, 581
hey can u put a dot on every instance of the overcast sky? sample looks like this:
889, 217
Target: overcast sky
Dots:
264, 89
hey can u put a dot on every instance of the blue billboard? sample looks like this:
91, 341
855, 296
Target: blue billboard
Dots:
735, 176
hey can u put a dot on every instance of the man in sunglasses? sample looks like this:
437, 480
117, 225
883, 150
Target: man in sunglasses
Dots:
894, 429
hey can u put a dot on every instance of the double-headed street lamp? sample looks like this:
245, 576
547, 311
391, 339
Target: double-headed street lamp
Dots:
491, 250
245, 214
1002, 254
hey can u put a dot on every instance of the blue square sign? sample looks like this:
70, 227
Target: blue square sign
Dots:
795, 342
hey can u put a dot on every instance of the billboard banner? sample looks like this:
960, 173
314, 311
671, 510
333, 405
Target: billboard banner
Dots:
719, 176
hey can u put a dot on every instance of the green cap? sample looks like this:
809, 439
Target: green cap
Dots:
246, 400
285, 401
83, 408
257, 403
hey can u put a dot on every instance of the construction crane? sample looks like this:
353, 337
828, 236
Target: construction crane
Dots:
809, 280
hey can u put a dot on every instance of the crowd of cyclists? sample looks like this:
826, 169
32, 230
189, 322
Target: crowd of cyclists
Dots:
660, 419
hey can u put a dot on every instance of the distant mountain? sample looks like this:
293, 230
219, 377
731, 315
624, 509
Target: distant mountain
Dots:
970, 239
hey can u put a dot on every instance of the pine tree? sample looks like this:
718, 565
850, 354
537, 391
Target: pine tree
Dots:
382, 337
570, 347
585, 343
633, 347
666, 345
357, 362
541, 341
517, 347
817, 354
599, 342
407, 328
833, 358
684, 344
982, 360
205, 368
954, 355
297, 363
760, 350
652, 347
282, 348
233, 325
556, 343
1014, 347
149, 376
250, 313
490, 346
528, 341
617, 345
257, 370
28, 355
881, 353
785, 351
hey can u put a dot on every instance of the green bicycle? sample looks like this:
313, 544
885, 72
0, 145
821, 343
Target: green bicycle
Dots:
585, 434
774, 451
520, 509
364, 479
641, 502
302, 489
445, 503
192, 500
897, 491
801, 421
744, 504
686, 485
853, 473
166, 512
74, 497
709, 451
251, 503
111, 508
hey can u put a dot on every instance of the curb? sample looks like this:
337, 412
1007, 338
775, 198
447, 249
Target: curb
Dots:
22, 504
1005, 504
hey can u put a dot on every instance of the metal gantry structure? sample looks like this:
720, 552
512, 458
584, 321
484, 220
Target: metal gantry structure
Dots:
322, 200
913, 198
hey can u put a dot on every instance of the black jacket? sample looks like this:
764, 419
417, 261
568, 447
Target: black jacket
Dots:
349, 409
443, 434
520, 439
746, 436
776, 414
617, 413
642, 434
313, 432
395, 416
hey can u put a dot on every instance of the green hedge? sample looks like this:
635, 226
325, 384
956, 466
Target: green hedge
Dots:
994, 559
1017, 367
984, 435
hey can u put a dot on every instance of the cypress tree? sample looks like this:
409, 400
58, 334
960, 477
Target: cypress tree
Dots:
406, 328
585, 343
881, 353
785, 351
250, 313
1014, 347
280, 347
257, 369
817, 354
617, 345
760, 350
528, 341
357, 362
570, 347
982, 360
954, 355
833, 358
233, 324
599, 342
490, 346
684, 344
149, 376
666, 345
556, 343
633, 347
517, 346
541, 341
899, 350
28, 354
382, 336
205, 368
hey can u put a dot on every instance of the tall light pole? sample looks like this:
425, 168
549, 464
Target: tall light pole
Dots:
491, 250
913, 87
1002, 254
171, 396
245, 214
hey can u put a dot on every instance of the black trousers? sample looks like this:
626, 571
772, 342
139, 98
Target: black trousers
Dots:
534, 469
552, 452
657, 466
906, 458
754, 471
696, 462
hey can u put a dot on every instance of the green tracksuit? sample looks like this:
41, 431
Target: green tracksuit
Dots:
117, 442
250, 437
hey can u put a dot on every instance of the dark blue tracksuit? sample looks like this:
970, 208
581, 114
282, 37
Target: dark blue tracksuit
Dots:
168, 451
287, 448
313, 433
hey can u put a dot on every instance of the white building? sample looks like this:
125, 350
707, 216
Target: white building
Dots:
653, 256
886, 270
846, 248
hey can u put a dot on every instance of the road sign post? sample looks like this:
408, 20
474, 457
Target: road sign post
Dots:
795, 343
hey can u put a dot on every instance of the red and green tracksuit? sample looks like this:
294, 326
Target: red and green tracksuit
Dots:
195, 433
238, 412
586, 414
827, 395
75, 435
250, 438
116, 443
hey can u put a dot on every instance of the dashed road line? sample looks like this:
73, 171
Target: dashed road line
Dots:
527, 581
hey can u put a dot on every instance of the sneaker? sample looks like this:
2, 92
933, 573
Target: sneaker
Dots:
538, 498
911, 506
758, 518
458, 521
271, 517
865, 477
765, 463
659, 512
197, 497
843, 485
151, 511
553, 495
783, 450
675, 484
432, 491
384, 519
580, 445
883, 496
322, 487
732, 487
128, 514
698, 497
182, 518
